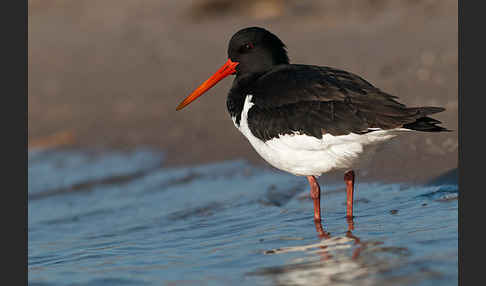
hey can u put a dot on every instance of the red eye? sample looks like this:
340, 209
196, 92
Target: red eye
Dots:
248, 46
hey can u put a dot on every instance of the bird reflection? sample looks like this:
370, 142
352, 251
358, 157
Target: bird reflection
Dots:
320, 231
322, 234
345, 258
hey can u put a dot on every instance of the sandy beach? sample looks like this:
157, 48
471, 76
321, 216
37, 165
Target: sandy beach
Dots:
109, 74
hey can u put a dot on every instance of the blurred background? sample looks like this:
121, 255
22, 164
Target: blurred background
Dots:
124, 190
109, 74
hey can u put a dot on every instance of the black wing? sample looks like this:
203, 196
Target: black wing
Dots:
315, 100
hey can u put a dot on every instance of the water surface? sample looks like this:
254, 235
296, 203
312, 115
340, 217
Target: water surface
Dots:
114, 218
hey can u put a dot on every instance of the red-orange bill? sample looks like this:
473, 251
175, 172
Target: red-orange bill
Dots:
227, 69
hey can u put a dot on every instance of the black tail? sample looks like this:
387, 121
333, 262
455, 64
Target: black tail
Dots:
425, 123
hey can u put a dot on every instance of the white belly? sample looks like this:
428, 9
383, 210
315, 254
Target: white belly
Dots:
305, 155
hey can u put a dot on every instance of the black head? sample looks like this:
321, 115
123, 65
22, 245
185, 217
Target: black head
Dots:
256, 50
250, 50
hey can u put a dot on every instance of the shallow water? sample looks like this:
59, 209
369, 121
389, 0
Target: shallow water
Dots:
113, 218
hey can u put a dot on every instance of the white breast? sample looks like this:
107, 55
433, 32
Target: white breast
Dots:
305, 155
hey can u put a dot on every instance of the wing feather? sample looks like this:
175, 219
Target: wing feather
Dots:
316, 100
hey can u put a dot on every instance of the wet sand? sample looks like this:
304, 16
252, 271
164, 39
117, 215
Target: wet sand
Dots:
110, 74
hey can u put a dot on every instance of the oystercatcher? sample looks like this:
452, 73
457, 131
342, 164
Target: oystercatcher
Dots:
305, 119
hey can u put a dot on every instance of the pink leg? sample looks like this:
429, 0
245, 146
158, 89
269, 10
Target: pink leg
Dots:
349, 180
316, 196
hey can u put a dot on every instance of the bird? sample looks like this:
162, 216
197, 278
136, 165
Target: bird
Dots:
308, 120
